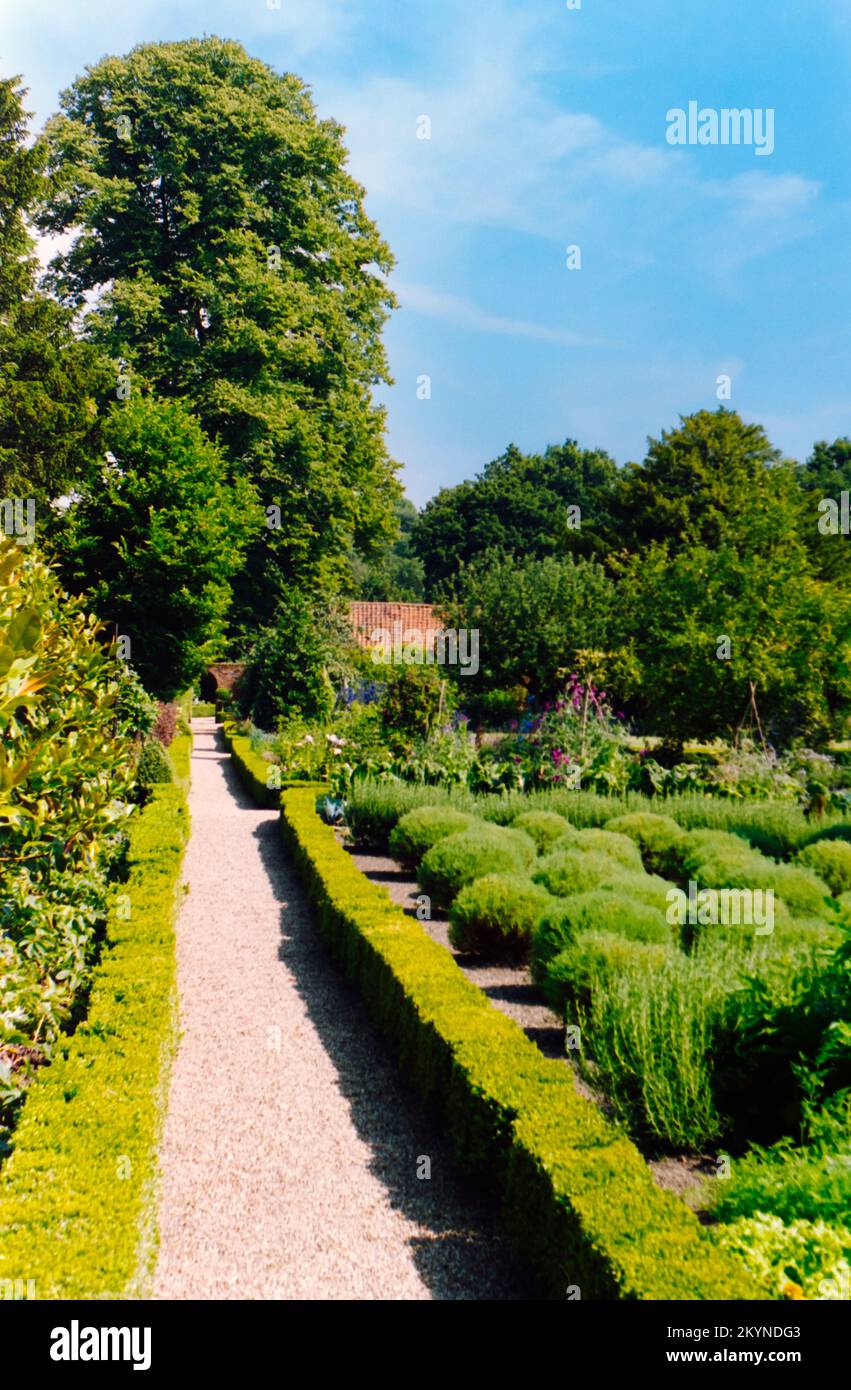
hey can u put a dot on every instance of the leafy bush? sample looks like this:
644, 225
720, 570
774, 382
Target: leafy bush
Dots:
568, 977
619, 847
656, 836
294, 662
597, 911
135, 709
718, 860
416, 699
545, 827
165, 727
153, 766
831, 859
575, 871
804, 1259
64, 780
422, 828
494, 916
459, 859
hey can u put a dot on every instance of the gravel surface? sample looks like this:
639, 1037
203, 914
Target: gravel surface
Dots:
291, 1149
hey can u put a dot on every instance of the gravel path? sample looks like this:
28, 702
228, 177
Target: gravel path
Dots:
291, 1150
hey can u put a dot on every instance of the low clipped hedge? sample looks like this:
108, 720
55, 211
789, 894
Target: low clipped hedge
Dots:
577, 1197
253, 770
77, 1193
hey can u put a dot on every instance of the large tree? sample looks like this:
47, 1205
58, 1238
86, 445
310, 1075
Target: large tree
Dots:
519, 504
712, 478
157, 538
51, 384
532, 617
232, 264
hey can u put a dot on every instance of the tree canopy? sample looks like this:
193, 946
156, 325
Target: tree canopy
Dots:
232, 265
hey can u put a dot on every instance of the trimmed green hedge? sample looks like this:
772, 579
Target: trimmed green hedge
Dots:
77, 1194
252, 770
577, 1196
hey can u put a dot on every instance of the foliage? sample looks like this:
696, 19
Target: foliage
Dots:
232, 265
801, 1260
657, 837
156, 542
518, 505
575, 871
393, 574
545, 827
416, 700
165, 728
153, 766
76, 1192
494, 916
533, 617
50, 383
64, 778
470, 854
415, 833
294, 663
136, 711
831, 860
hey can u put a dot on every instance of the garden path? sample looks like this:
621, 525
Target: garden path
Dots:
290, 1154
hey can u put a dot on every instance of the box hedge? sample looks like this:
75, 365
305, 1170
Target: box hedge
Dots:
77, 1193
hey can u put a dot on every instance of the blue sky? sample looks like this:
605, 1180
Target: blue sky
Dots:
549, 129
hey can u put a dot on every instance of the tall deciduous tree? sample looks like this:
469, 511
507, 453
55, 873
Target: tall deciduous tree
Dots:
157, 539
553, 503
50, 383
234, 266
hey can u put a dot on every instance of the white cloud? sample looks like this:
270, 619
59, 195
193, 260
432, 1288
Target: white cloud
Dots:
451, 308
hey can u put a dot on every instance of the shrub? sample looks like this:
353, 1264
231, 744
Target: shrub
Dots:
373, 808
417, 698
494, 916
831, 860
652, 1033
804, 1259
717, 860
459, 859
153, 766
96, 1111
656, 837
165, 726
575, 871
64, 778
619, 847
568, 976
545, 827
415, 834
566, 919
